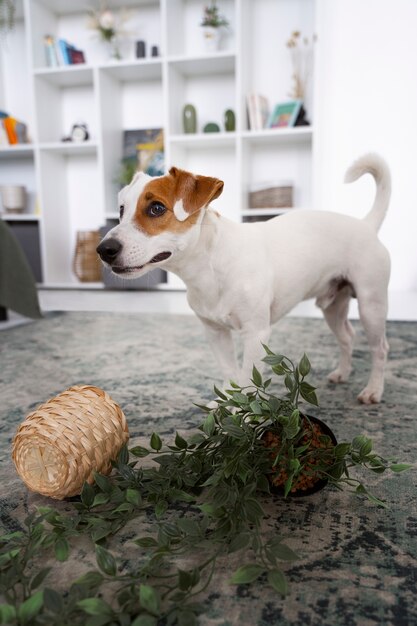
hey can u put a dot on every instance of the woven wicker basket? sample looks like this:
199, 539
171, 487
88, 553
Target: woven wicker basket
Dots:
271, 197
59, 446
87, 266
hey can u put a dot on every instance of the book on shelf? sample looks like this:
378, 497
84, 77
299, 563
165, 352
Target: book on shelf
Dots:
12, 131
258, 110
61, 52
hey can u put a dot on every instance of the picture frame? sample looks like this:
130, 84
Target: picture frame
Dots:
284, 114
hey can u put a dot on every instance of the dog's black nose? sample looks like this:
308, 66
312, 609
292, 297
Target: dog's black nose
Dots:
109, 249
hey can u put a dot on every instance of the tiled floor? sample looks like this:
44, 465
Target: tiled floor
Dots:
403, 306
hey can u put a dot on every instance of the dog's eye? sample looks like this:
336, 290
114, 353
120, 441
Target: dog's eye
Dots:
155, 209
122, 210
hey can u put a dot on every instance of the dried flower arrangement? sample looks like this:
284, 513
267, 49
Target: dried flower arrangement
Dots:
108, 25
301, 50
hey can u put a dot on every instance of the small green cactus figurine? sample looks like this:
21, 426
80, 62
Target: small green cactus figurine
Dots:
189, 118
229, 120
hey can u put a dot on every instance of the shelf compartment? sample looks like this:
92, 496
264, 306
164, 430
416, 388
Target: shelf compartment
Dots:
187, 35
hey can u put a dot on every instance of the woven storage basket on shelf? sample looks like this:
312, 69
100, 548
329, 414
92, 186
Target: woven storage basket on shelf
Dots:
59, 446
87, 265
271, 196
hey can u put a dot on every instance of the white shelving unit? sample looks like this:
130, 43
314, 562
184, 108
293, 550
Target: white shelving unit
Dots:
74, 182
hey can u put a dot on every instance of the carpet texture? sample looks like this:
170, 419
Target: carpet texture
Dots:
358, 564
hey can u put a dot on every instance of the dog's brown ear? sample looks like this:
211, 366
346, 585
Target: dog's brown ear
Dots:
193, 192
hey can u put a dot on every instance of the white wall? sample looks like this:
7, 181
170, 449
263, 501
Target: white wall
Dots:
366, 100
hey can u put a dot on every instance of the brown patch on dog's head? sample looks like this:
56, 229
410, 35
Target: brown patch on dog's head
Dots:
182, 194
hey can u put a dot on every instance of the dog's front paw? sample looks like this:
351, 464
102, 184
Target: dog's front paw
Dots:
370, 396
338, 376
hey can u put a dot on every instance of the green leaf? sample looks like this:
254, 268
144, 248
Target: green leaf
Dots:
283, 552
239, 542
61, 549
133, 496
105, 561
278, 581
180, 442
209, 425
87, 494
30, 608
146, 542
273, 359
366, 447
186, 618
7, 613
255, 407
98, 620
247, 574
156, 442
304, 366
189, 527
256, 377
145, 620
160, 508
103, 482
94, 606
149, 599
308, 393
400, 467
219, 393
52, 601
100, 498
38, 579
341, 450
185, 580
139, 451
123, 456
90, 579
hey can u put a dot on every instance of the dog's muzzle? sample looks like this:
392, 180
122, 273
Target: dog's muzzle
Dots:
108, 250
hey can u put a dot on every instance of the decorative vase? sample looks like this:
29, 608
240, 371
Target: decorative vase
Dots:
189, 118
113, 49
13, 198
212, 37
229, 120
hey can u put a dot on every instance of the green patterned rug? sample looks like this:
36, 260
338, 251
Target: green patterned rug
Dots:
358, 564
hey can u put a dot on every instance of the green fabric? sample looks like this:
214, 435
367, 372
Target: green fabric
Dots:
17, 283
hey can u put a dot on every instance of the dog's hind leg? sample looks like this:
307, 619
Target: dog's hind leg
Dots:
373, 307
336, 316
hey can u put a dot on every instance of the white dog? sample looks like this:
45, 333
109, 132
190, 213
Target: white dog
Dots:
244, 277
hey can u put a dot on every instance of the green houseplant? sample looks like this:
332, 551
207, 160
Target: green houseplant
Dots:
212, 23
205, 494
7, 16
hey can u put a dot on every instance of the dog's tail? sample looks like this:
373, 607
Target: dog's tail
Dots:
375, 165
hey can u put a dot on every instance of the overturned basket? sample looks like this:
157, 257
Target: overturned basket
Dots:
60, 445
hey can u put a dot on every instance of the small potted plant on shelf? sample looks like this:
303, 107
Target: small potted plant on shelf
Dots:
213, 23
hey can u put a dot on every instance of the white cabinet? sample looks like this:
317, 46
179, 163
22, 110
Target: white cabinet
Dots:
75, 183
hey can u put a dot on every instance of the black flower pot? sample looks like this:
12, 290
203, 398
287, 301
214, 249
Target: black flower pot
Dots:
320, 483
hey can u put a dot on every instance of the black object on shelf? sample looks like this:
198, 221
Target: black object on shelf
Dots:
140, 49
154, 51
